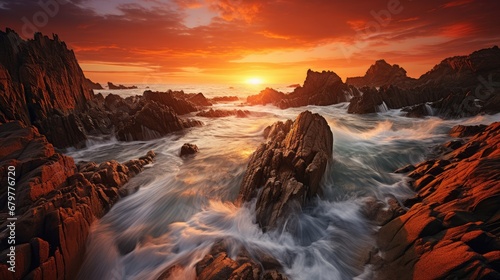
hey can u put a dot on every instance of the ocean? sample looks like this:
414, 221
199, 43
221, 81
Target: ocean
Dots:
180, 206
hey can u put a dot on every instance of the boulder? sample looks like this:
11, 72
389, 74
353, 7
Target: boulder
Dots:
188, 149
113, 86
288, 168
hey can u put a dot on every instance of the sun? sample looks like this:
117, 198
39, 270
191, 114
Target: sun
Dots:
254, 81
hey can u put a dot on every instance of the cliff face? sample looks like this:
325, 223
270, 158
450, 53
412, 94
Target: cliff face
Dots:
42, 84
56, 202
320, 88
381, 74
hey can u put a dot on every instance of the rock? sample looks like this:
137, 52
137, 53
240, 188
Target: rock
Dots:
466, 131
223, 113
55, 202
152, 120
266, 96
172, 100
454, 88
320, 88
288, 167
32, 72
452, 225
112, 86
382, 74
188, 149
93, 85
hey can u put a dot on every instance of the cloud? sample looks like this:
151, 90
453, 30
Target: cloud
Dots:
212, 35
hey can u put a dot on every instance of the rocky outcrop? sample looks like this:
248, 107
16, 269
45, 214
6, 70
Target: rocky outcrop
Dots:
320, 88
41, 84
113, 86
451, 229
218, 265
93, 85
169, 98
137, 118
383, 74
56, 202
223, 113
266, 96
32, 74
286, 171
457, 87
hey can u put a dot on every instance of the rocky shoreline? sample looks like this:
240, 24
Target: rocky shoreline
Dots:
56, 202
451, 228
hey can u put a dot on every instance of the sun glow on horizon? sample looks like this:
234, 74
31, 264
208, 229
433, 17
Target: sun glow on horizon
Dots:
254, 81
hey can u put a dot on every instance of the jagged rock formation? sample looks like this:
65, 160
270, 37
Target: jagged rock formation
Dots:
382, 74
142, 118
288, 167
457, 87
218, 265
93, 85
113, 86
41, 84
320, 88
56, 202
224, 113
451, 229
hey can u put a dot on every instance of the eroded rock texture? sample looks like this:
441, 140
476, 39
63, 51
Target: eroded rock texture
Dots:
287, 170
452, 227
320, 88
56, 202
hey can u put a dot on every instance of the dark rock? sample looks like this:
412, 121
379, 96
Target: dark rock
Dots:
405, 169
454, 88
382, 74
171, 99
224, 113
288, 167
188, 149
112, 86
55, 202
93, 85
320, 88
466, 131
452, 223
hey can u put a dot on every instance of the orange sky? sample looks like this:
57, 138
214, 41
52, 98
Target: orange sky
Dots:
231, 41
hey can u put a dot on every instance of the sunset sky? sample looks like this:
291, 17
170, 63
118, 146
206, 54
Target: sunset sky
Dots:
233, 41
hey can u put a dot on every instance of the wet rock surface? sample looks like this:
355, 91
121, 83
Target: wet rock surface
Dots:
286, 171
56, 202
188, 149
451, 228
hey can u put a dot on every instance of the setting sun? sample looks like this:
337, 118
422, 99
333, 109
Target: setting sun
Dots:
254, 81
